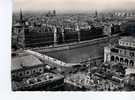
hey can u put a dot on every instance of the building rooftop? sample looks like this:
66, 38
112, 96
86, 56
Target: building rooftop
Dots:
38, 81
24, 61
17, 25
44, 78
125, 47
128, 39
130, 71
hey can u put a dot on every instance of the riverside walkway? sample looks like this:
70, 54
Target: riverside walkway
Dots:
50, 60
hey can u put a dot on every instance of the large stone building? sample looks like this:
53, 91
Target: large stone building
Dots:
123, 52
29, 73
25, 66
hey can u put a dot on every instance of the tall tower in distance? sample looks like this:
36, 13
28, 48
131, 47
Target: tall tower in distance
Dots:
54, 12
21, 34
22, 21
96, 14
21, 17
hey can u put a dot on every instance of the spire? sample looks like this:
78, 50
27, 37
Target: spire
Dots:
96, 13
21, 16
54, 12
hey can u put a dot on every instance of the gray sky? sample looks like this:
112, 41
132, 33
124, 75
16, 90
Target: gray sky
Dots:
72, 5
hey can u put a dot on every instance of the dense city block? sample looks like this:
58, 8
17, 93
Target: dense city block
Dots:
73, 51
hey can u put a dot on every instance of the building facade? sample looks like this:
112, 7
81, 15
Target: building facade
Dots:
123, 52
25, 66
28, 73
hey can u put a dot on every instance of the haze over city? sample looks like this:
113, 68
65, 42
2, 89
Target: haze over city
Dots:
72, 5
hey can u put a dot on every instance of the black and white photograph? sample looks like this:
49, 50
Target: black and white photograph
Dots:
73, 45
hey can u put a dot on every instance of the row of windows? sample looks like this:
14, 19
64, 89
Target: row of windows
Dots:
28, 72
127, 44
123, 52
122, 60
126, 52
114, 50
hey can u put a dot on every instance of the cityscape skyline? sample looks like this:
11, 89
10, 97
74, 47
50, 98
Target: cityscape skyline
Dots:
78, 45
73, 5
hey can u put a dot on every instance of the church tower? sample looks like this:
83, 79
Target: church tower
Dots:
21, 34
96, 14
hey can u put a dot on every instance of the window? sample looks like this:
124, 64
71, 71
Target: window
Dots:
125, 52
120, 51
121, 60
40, 70
121, 42
131, 62
127, 43
131, 54
13, 76
34, 71
126, 61
117, 59
112, 58
114, 50
20, 74
27, 72
134, 44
